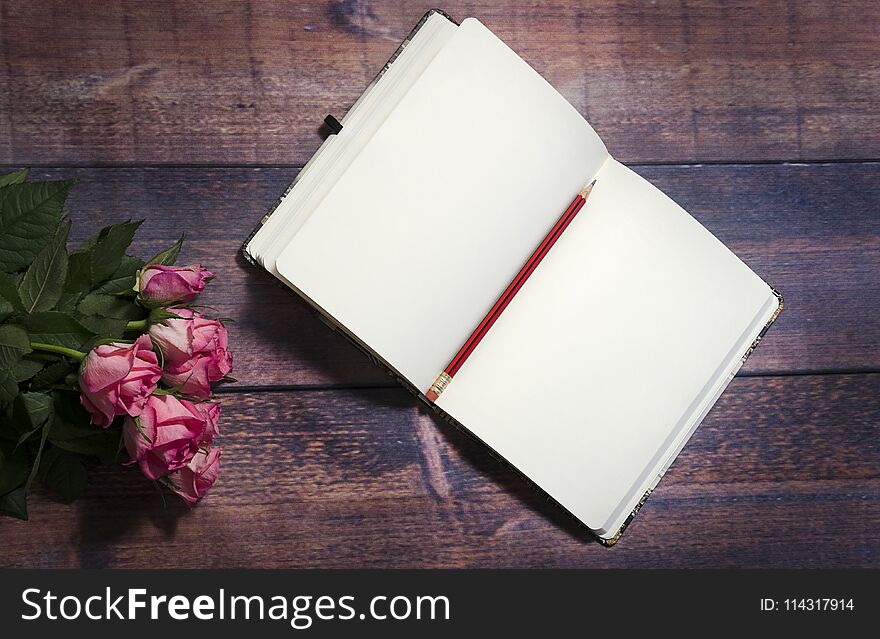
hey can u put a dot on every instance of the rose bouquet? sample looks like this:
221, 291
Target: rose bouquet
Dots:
103, 357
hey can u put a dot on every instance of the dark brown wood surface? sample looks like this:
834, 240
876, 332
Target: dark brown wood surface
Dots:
248, 82
196, 115
775, 476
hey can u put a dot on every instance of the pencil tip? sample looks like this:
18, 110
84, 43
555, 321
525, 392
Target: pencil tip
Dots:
586, 190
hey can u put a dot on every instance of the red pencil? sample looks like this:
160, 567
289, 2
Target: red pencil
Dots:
528, 268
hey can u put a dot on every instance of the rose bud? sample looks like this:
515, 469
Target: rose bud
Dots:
167, 434
195, 351
193, 481
117, 379
160, 284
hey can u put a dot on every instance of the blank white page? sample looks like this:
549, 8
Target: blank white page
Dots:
603, 364
337, 151
430, 222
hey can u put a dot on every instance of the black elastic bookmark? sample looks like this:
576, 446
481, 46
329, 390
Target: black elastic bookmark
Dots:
333, 124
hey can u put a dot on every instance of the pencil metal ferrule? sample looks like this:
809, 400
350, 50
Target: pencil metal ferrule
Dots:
440, 383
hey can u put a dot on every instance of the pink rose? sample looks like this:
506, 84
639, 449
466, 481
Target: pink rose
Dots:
211, 412
195, 351
193, 480
162, 284
117, 379
168, 433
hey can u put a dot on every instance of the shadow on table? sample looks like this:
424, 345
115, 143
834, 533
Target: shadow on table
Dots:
118, 505
476, 454
294, 333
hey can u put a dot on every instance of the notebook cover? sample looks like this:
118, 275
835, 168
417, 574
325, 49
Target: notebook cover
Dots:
336, 326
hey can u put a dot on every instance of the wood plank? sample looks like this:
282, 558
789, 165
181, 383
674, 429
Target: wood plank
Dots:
249, 82
785, 472
789, 223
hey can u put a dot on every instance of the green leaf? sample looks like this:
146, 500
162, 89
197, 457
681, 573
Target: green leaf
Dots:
73, 431
14, 503
8, 387
110, 306
27, 368
26, 436
46, 430
14, 470
43, 282
29, 215
169, 256
104, 444
14, 344
106, 327
60, 329
123, 279
9, 291
65, 431
32, 409
79, 275
63, 473
100, 256
68, 300
16, 177
52, 374
109, 251
5, 309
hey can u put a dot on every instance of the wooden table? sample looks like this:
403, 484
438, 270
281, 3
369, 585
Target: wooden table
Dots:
761, 118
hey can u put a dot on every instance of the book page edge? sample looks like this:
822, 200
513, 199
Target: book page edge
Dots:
612, 539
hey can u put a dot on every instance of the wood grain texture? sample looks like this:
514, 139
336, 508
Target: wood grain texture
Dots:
812, 231
785, 472
249, 82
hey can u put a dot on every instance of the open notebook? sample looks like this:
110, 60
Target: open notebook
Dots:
406, 226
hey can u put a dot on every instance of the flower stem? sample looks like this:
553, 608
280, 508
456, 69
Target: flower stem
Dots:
136, 325
61, 350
